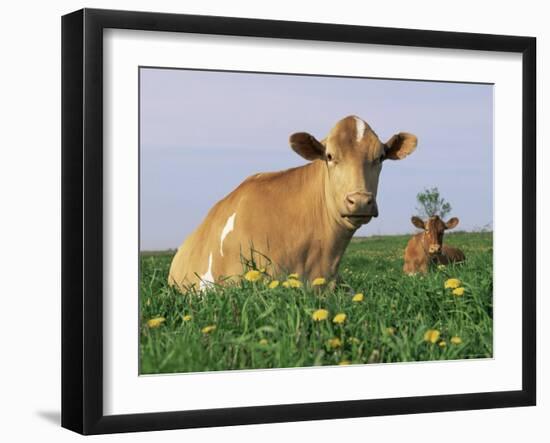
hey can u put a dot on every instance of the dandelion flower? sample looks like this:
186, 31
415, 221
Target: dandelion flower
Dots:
319, 281
187, 317
452, 283
344, 363
319, 314
339, 318
273, 284
295, 276
334, 343
291, 283
253, 275
390, 330
208, 329
442, 343
456, 340
155, 322
295, 283
263, 342
458, 292
358, 297
432, 335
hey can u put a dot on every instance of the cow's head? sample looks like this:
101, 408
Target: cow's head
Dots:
353, 155
434, 228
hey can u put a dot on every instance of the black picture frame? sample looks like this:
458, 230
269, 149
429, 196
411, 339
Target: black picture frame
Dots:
82, 220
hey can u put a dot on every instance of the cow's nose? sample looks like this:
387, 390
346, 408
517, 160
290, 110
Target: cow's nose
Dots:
360, 203
434, 248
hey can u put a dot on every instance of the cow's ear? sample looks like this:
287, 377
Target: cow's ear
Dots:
307, 146
417, 221
400, 145
451, 223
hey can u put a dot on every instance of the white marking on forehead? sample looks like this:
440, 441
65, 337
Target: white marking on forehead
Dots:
207, 278
360, 127
229, 225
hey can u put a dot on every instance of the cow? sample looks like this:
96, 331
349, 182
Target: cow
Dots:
426, 248
299, 220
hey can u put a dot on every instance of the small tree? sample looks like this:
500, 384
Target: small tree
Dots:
431, 203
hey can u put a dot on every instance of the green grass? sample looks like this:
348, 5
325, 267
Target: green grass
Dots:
248, 313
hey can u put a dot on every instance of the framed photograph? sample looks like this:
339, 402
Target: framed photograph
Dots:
268, 221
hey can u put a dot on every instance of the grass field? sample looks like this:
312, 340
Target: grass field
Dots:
400, 318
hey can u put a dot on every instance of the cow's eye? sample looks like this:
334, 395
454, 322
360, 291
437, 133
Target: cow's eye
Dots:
329, 157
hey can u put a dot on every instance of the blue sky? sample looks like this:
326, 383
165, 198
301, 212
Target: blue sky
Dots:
202, 133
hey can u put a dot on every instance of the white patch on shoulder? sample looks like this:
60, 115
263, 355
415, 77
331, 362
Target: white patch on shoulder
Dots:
207, 278
229, 225
360, 127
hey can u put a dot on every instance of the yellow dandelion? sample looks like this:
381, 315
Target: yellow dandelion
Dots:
295, 275
292, 283
458, 292
208, 329
253, 275
390, 330
456, 340
344, 363
273, 284
187, 317
334, 343
339, 318
358, 297
442, 343
432, 335
319, 281
452, 283
155, 322
319, 314
263, 342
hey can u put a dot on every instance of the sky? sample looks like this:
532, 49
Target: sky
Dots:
203, 132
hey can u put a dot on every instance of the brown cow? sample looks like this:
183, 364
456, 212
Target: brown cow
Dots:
298, 220
427, 247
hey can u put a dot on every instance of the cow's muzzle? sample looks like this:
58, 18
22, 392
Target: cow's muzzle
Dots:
361, 204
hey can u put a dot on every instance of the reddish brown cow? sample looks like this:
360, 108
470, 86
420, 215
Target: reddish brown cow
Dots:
427, 247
